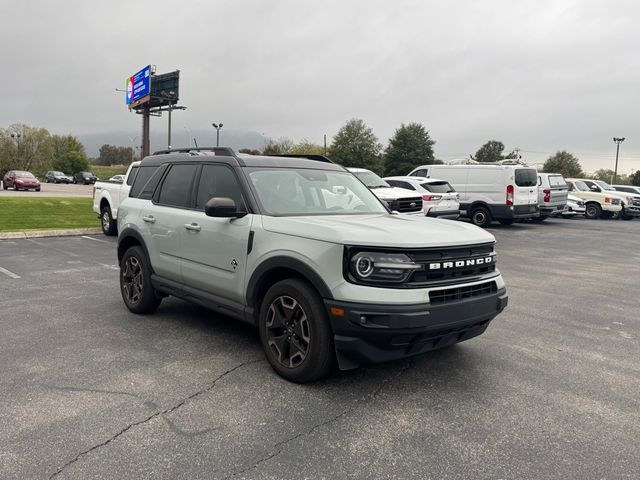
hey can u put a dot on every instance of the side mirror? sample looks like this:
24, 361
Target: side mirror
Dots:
222, 207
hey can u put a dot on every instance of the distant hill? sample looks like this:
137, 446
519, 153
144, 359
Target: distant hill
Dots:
205, 138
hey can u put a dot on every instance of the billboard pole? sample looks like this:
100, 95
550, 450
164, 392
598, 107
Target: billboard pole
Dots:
146, 115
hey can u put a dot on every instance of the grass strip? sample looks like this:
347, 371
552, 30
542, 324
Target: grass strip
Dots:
46, 213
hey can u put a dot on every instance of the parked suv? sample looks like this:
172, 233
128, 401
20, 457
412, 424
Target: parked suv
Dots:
53, 176
305, 251
397, 199
439, 198
86, 178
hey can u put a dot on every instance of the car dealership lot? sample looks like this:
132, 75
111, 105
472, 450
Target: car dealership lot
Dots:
90, 390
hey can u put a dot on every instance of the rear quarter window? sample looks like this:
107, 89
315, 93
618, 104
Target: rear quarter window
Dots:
526, 177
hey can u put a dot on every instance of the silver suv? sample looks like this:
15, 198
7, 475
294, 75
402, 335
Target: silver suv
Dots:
302, 249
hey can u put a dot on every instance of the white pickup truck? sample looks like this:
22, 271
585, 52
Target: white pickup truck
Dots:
107, 196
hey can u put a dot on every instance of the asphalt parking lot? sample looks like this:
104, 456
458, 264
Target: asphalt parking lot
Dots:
551, 390
52, 190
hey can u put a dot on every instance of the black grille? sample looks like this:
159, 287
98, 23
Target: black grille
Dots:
406, 205
446, 257
460, 293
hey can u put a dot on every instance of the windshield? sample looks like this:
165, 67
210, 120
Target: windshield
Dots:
311, 192
604, 185
24, 175
371, 180
581, 186
57, 173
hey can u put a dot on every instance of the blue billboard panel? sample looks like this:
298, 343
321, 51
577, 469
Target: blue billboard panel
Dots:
139, 85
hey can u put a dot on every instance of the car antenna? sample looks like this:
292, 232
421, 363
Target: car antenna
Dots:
196, 144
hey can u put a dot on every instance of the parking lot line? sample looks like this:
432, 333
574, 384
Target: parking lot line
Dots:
94, 239
8, 273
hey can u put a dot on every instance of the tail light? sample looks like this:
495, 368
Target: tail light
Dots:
547, 195
428, 198
509, 194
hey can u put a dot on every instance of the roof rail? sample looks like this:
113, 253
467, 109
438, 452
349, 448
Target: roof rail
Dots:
199, 150
317, 158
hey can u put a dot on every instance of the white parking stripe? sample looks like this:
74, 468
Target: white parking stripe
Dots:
8, 273
95, 239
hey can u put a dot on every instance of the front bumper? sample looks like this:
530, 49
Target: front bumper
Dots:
378, 333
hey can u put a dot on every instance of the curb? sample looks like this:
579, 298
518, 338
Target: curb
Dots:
49, 233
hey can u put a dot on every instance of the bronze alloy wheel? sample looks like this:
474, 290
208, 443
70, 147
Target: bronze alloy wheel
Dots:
132, 280
288, 331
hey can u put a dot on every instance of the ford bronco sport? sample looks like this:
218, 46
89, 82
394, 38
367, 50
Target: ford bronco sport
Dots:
302, 249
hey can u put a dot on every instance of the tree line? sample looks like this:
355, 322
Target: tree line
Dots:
355, 145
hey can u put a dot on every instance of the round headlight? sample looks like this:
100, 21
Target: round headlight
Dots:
364, 266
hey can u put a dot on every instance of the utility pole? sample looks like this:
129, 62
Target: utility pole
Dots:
618, 141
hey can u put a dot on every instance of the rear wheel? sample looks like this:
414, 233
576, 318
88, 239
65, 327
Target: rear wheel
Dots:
295, 332
135, 282
593, 211
480, 216
106, 221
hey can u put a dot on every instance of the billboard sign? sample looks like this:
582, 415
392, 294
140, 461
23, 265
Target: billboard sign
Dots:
138, 85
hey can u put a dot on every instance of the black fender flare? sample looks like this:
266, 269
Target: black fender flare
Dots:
124, 242
288, 263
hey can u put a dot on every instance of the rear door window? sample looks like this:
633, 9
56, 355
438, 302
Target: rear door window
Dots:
526, 177
557, 181
438, 187
176, 186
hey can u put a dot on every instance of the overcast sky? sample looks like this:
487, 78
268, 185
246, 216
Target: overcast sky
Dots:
538, 75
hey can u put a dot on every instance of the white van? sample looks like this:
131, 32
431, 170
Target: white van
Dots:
490, 192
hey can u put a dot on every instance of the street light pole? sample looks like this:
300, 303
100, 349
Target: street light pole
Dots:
217, 127
132, 147
618, 141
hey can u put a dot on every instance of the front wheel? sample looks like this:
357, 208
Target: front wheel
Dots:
106, 221
135, 282
593, 211
295, 332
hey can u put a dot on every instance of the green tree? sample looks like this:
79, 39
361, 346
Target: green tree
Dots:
635, 178
113, 155
250, 151
410, 146
71, 162
490, 152
307, 147
355, 145
28, 149
605, 174
277, 147
564, 163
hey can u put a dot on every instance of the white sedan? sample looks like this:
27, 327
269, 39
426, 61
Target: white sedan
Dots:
439, 198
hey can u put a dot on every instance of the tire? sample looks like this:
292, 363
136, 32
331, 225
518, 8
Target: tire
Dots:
135, 282
109, 227
539, 219
37, 189
506, 221
293, 315
4, 187
626, 216
593, 211
480, 216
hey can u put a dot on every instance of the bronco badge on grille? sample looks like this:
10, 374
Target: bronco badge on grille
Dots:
472, 262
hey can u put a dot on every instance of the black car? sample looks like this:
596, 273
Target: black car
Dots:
84, 177
54, 176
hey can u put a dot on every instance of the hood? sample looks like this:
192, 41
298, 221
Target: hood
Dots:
394, 193
379, 230
27, 180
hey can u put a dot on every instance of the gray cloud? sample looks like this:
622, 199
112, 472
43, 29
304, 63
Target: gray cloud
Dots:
542, 76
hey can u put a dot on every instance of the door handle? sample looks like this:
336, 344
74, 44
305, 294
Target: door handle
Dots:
149, 219
194, 227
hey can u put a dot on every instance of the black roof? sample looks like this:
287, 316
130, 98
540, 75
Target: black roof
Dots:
228, 156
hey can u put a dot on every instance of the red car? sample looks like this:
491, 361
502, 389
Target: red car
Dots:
20, 180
